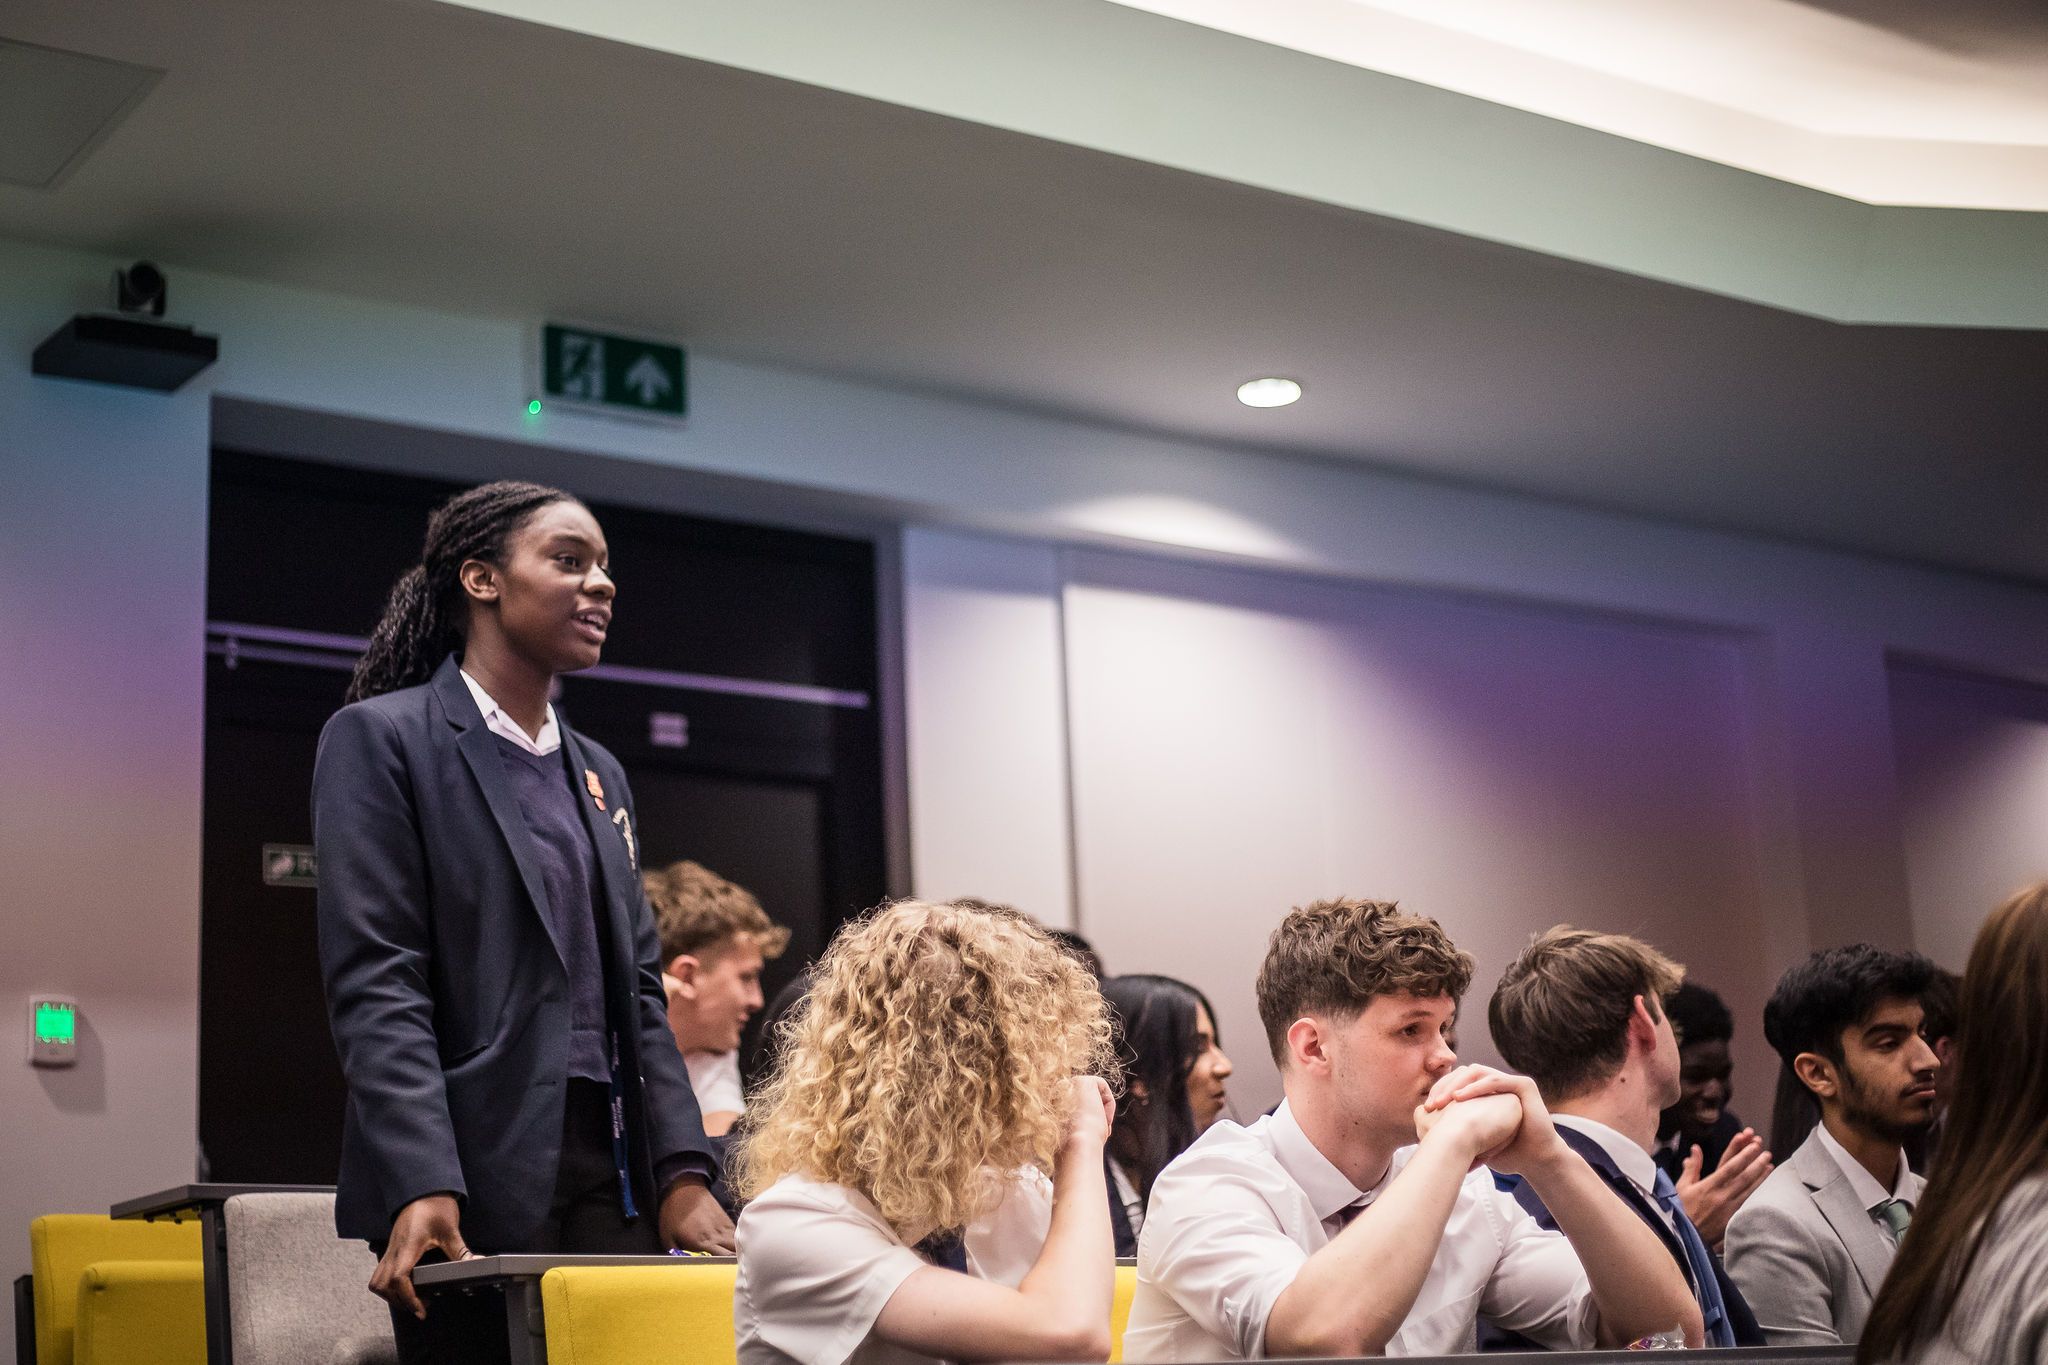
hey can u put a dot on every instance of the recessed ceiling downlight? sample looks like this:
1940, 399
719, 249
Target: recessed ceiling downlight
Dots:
1268, 393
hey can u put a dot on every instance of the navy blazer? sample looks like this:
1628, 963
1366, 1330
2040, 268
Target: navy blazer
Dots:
446, 991
1740, 1320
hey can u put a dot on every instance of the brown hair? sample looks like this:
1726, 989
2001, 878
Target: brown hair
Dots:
696, 911
1334, 956
1997, 1126
1562, 1008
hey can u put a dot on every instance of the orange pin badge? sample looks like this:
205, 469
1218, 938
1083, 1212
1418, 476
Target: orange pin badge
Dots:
595, 787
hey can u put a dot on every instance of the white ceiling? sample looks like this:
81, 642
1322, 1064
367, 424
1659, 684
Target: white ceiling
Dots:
1887, 101
444, 157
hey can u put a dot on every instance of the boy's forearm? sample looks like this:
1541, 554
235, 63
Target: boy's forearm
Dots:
1353, 1295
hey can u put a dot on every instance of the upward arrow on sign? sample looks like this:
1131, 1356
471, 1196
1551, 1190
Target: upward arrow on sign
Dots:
621, 374
649, 380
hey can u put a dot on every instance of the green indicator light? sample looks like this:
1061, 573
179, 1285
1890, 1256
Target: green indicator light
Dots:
533, 408
56, 1024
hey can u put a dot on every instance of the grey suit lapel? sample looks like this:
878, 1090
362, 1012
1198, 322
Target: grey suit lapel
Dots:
1870, 1250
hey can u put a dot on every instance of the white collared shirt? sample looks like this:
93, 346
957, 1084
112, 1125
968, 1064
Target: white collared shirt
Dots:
1635, 1163
817, 1264
498, 723
1234, 1217
1868, 1192
715, 1080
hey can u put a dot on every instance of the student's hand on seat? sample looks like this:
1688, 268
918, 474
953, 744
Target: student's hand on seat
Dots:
1092, 1109
692, 1221
1534, 1140
430, 1223
1710, 1201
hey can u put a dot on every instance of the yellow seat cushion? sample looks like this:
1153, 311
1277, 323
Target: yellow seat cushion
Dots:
1120, 1309
639, 1315
133, 1311
62, 1245
656, 1315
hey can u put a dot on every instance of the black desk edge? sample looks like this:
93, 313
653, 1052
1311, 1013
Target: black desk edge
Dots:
192, 1198
480, 1271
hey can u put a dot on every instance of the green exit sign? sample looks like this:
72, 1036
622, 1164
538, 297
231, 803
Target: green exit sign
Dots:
619, 373
56, 1023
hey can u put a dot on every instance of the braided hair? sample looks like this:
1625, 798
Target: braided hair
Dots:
424, 617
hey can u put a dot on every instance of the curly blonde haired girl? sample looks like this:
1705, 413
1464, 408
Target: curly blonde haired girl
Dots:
938, 1109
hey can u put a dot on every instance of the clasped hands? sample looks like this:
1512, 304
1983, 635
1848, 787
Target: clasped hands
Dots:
1498, 1120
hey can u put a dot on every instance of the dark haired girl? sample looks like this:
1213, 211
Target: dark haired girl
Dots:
491, 966
1174, 1071
1970, 1283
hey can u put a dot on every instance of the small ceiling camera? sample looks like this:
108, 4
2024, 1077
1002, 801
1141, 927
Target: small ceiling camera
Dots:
140, 289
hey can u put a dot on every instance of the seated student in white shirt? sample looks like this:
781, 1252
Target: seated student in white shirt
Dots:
1328, 1229
925, 1165
1174, 1074
715, 939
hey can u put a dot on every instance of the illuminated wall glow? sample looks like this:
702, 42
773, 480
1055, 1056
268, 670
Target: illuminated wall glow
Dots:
1973, 786
1245, 742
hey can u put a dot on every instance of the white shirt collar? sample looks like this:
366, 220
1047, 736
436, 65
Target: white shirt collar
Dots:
498, 723
1868, 1192
1329, 1190
1635, 1163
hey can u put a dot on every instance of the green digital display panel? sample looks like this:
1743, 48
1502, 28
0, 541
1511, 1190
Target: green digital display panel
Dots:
56, 1023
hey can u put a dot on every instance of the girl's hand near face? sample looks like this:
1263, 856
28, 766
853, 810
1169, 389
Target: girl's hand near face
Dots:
1092, 1109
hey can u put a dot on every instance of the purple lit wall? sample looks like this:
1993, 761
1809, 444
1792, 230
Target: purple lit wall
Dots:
1244, 742
102, 580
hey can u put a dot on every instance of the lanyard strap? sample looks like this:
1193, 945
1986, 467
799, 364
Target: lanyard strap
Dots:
620, 1147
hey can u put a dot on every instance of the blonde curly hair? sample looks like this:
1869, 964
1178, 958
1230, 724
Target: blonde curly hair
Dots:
937, 1045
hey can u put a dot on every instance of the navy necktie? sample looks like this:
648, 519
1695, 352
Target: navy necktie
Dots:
1706, 1285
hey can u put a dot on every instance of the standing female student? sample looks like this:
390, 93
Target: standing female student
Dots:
925, 1164
491, 967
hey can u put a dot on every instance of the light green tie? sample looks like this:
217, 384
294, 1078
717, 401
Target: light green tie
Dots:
1895, 1214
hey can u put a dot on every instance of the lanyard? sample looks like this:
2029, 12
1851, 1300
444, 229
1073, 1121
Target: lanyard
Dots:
620, 1147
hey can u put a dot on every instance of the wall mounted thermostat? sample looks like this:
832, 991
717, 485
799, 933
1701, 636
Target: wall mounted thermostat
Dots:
52, 1030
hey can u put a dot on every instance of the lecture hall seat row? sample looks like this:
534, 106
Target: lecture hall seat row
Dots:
676, 1315
133, 1288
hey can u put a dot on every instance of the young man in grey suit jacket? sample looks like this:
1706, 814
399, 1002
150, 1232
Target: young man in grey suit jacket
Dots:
1812, 1245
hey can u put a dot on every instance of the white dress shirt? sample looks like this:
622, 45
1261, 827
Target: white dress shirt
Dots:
1869, 1193
817, 1264
1234, 1217
499, 723
1636, 1163
715, 1080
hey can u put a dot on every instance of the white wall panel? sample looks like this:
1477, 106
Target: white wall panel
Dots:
1973, 777
985, 721
1246, 742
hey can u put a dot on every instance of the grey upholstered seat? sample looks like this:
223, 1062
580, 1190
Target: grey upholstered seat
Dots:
297, 1292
